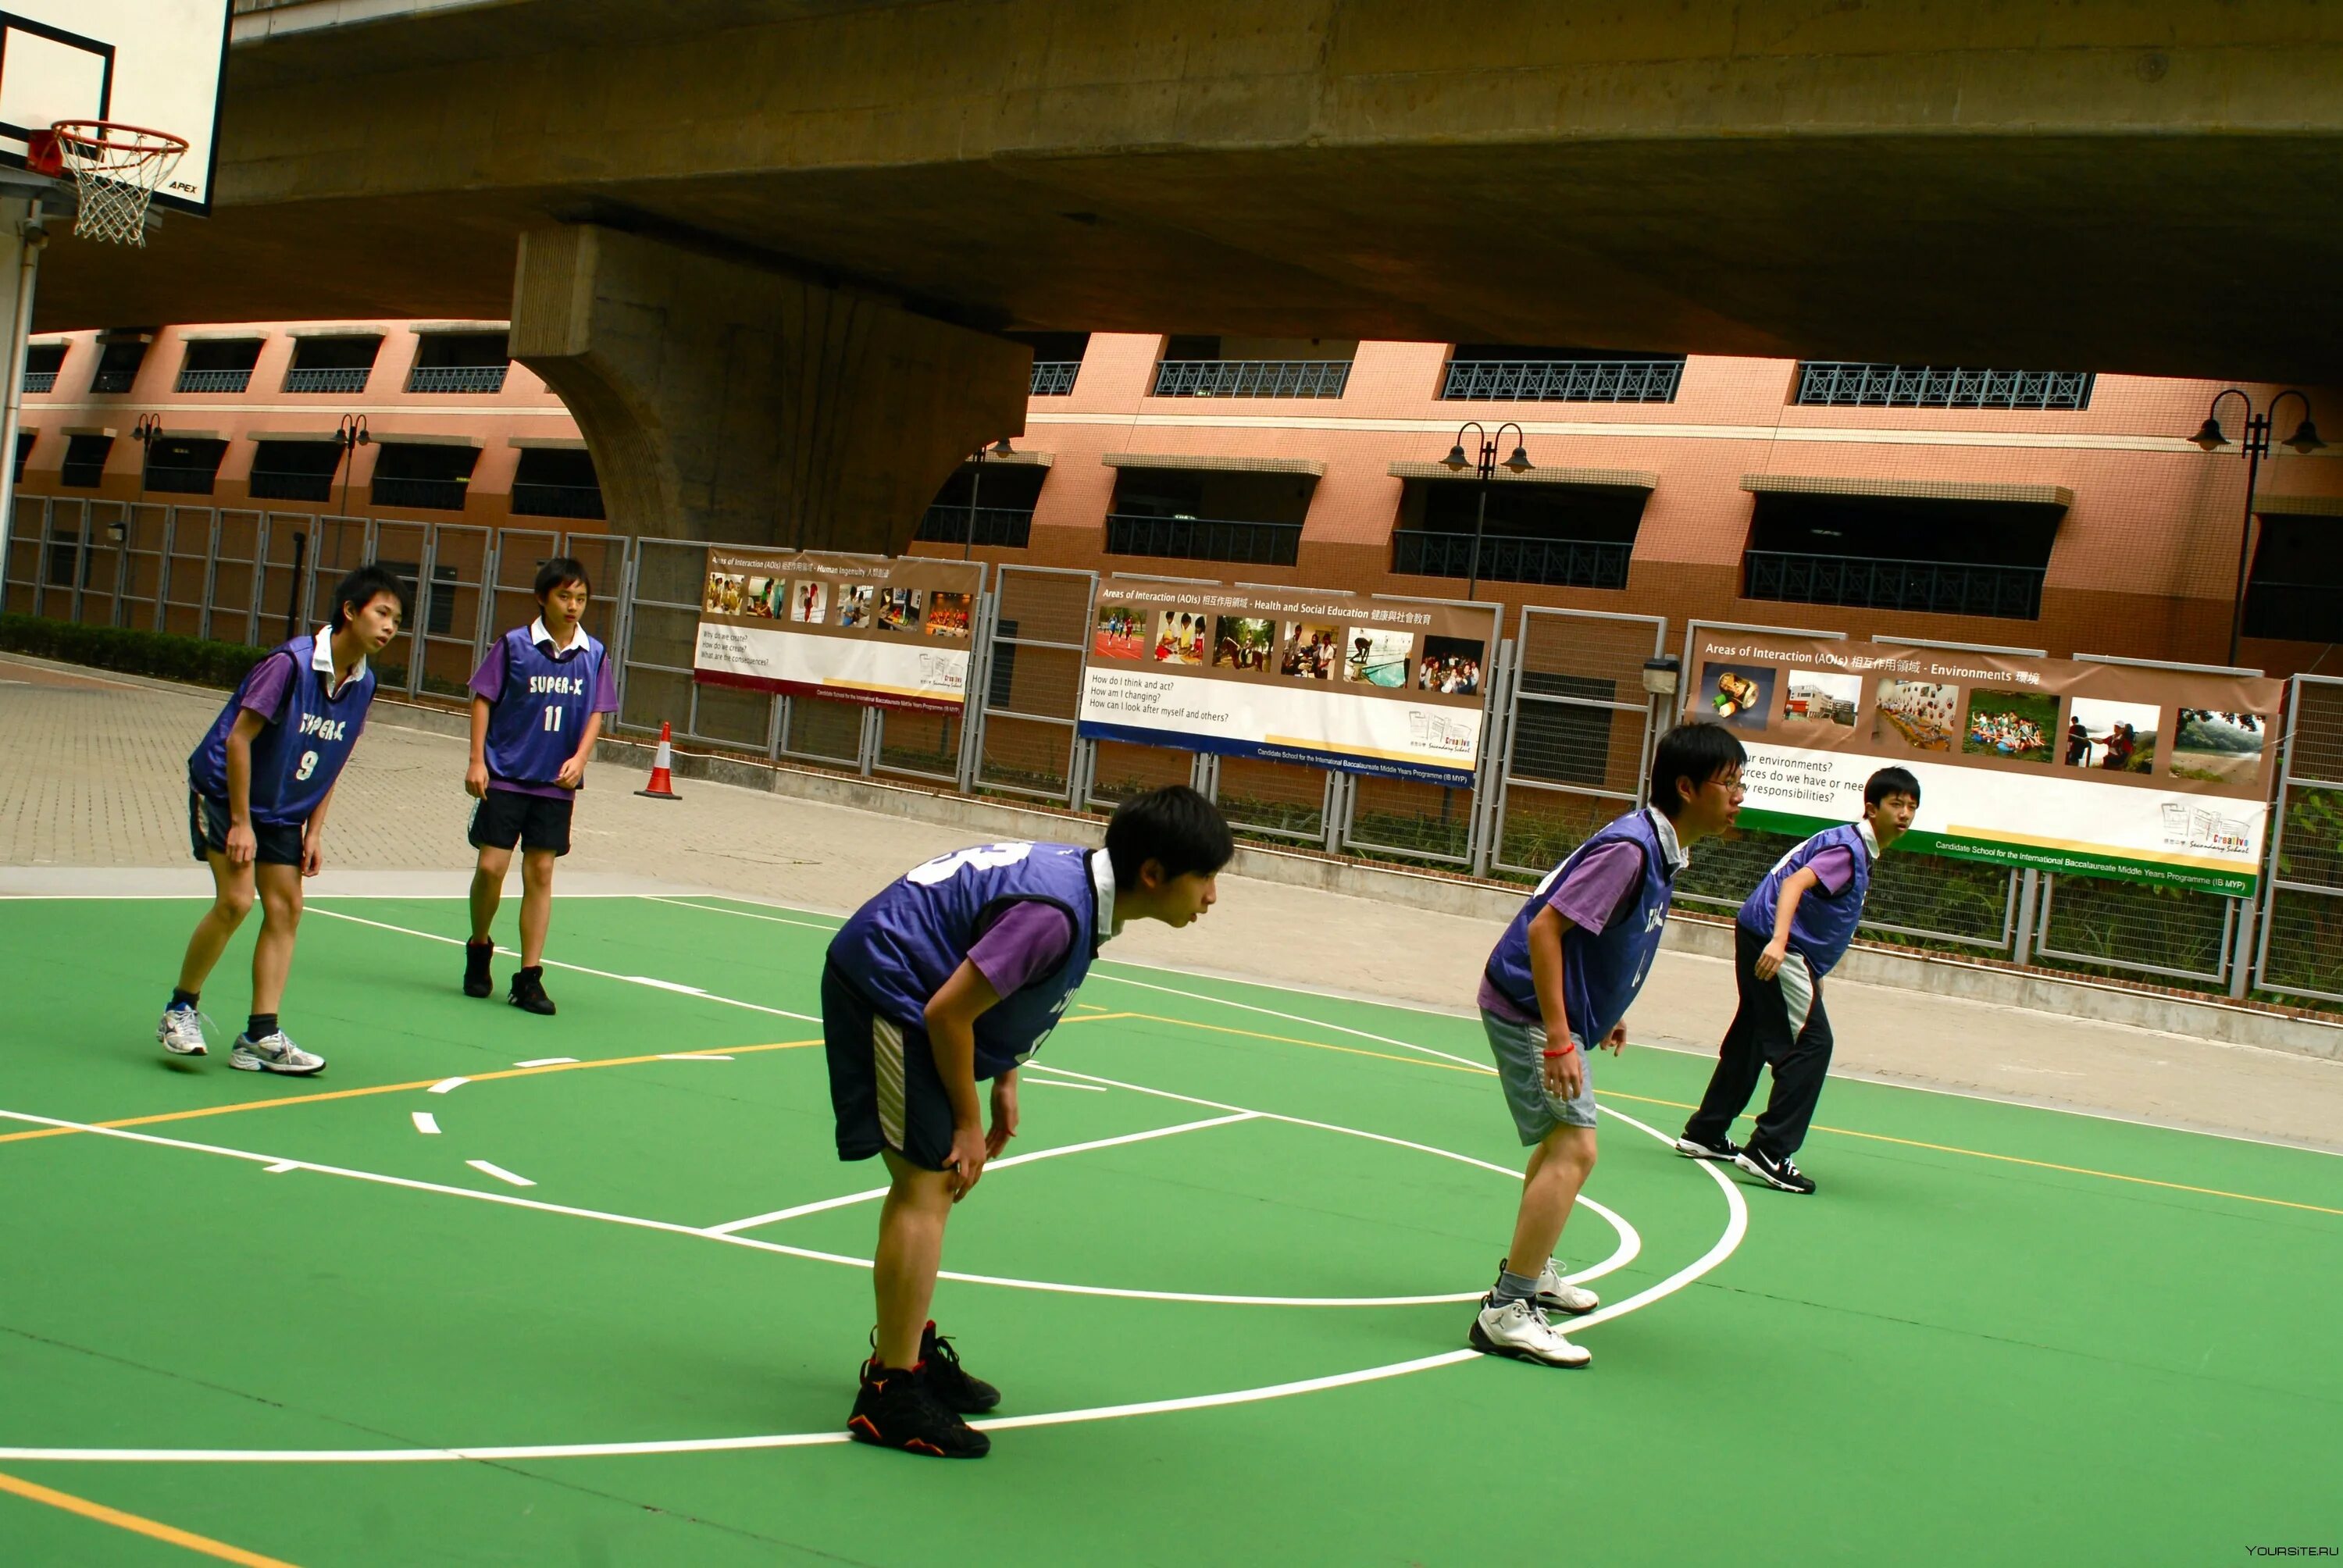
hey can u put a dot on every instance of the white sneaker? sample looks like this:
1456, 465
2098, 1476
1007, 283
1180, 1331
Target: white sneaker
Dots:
1556, 1294
181, 1032
1519, 1329
275, 1054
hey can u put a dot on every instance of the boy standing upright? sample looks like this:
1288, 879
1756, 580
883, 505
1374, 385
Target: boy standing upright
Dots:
1556, 988
1794, 927
259, 785
537, 701
952, 975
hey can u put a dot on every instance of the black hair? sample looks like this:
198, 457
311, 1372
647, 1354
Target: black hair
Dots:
362, 587
1175, 826
560, 571
1890, 781
1699, 751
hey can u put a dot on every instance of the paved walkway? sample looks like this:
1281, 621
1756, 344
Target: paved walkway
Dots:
92, 775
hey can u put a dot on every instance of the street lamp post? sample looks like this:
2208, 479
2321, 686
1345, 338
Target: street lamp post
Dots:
349, 436
2257, 446
1482, 461
1000, 448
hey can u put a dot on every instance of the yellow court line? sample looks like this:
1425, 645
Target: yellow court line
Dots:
382, 1088
1313, 1044
138, 1526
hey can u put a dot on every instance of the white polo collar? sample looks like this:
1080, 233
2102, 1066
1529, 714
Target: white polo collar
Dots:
1102, 881
1670, 845
1870, 838
321, 659
540, 635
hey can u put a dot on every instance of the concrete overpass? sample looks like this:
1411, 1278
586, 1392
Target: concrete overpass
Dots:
786, 228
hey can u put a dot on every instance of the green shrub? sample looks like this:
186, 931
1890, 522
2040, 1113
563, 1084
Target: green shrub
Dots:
156, 653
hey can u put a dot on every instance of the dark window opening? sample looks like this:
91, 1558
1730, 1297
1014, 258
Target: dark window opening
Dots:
1565, 535
117, 365
2294, 590
1001, 682
24, 439
1532, 373
1210, 516
1856, 383
556, 482
182, 466
1941, 557
42, 363
1214, 365
331, 363
429, 477
224, 366
459, 362
1004, 497
1056, 360
295, 470
84, 464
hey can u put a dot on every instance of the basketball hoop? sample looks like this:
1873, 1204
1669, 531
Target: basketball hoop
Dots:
116, 168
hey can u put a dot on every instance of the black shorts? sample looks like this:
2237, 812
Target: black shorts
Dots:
504, 818
883, 1084
278, 843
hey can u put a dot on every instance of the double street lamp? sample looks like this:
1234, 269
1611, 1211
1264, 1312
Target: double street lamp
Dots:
2211, 437
1484, 463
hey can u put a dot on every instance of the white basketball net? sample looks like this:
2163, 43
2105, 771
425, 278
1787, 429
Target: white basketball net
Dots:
117, 169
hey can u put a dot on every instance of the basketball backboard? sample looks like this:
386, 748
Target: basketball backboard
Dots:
150, 63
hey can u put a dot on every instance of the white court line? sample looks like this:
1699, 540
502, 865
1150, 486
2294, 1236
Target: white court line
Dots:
425, 1123
1737, 1228
448, 1086
582, 969
547, 1062
487, 1168
281, 1167
713, 910
1056, 1083
777, 1216
692, 1056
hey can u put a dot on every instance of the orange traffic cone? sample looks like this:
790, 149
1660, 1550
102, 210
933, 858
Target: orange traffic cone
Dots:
662, 786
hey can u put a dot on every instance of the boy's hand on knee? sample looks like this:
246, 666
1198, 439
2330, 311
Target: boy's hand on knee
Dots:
243, 844
965, 1165
1565, 1073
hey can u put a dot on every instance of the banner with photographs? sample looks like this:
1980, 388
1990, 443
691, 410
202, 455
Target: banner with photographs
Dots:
882, 633
1390, 688
2081, 770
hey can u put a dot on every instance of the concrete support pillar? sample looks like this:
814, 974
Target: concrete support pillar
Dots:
725, 402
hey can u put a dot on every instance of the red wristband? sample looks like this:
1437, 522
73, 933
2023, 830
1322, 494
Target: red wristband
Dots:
1565, 1051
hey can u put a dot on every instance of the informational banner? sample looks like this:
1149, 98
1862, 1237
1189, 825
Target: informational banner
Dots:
2082, 769
1383, 687
883, 633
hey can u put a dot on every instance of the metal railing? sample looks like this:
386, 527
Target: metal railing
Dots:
424, 495
534, 500
2300, 612
277, 485
1856, 383
1251, 377
1003, 528
327, 378
1054, 377
1937, 588
212, 380
1563, 380
457, 378
40, 380
1204, 539
177, 480
1512, 557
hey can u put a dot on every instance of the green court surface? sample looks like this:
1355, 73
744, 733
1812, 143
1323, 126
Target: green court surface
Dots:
1225, 1291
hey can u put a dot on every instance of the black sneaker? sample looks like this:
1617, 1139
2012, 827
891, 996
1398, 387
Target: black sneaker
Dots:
478, 981
1723, 1149
952, 1384
1783, 1173
529, 993
895, 1409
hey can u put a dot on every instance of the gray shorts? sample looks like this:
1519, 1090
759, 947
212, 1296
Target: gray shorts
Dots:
1520, 1050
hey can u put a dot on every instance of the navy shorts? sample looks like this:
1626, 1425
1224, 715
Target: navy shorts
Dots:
883, 1083
277, 843
507, 817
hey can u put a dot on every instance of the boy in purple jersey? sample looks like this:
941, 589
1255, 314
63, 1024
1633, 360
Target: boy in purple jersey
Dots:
1558, 985
259, 785
1791, 930
954, 974
537, 701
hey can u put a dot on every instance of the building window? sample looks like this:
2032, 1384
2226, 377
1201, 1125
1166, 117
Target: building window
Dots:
1515, 373
42, 362
24, 439
1836, 383
428, 477
1208, 366
331, 363
459, 362
1938, 556
556, 482
1004, 495
2294, 592
84, 464
117, 365
182, 466
1209, 516
1056, 360
295, 470
1562, 536
220, 366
